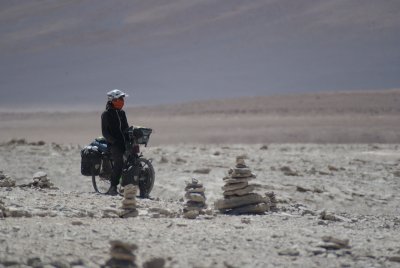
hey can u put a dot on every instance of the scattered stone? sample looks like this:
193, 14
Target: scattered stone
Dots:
302, 189
162, 211
238, 194
202, 171
40, 180
17, 142
245, 220
272, 201
216, 153
287, 171
318, 190
264, 147
163, 160
128, 208
77, 223
334, 243
328, 216
154, 263
77, 262
289, 252
394, 258
35, 262
110, 213
16, 213
180, 161
39, 143
60, 264
191, 214
5, 180
332, 168
196, 199
121, 255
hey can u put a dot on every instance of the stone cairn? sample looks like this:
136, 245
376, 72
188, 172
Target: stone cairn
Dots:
128, 208
121, 255
196, 199
40, 180
238, 194
5, 180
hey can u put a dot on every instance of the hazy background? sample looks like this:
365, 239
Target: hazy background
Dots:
65, 54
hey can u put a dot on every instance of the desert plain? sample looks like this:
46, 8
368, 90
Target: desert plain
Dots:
332, 159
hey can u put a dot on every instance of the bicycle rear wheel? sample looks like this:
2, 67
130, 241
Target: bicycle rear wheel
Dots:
101, 183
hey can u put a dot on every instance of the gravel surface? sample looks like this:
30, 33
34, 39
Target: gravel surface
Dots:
338, 206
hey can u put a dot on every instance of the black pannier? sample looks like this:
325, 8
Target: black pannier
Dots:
90, 161
142, 134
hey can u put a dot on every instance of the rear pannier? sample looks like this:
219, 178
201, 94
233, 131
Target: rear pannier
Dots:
90, 161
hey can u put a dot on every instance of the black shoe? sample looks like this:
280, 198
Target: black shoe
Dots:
112, 190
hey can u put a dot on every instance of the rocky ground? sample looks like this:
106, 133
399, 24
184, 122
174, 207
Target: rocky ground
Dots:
338, 206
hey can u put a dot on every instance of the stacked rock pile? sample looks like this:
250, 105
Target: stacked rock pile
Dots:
129, 202
5, 180
196, 199
121, 255
238, 193
40, 180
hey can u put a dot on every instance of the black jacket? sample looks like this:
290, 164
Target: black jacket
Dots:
113, 125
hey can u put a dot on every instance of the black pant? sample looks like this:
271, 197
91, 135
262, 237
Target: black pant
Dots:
117, 153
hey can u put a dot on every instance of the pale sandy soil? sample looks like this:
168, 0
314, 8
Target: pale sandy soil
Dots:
358, 183
343, 149
348, 117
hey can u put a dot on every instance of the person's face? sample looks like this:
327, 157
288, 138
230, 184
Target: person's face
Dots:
118, 103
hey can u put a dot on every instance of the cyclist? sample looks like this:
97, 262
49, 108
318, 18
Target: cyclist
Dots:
113, 125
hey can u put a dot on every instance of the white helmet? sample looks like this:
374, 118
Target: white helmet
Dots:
115, 94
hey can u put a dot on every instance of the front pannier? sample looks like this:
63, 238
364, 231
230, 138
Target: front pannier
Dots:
90, 161
142, 134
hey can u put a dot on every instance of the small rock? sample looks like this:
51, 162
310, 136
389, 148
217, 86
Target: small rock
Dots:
302, 189
264, 147
239, 201
35, 262
163, 160
334, 243
394, 258
287, 171
5, 180
245, 220
289, 252
332, 168
180, 161
202, 171
154, 263
324, 215
60, 264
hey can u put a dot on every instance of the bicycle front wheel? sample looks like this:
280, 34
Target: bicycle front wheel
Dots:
146, 177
